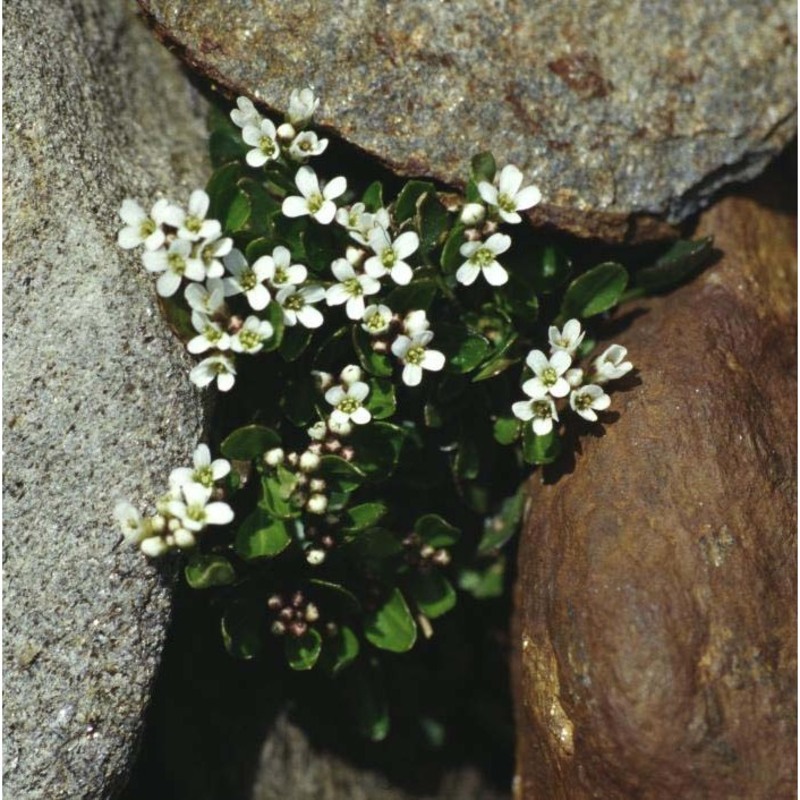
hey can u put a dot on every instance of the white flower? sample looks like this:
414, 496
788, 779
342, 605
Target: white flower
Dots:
509, 198
389, 255
279, 270
482, 257
174, 264
133, 527
611, 364
193, 225
566, 339
143, 229
318, 431
472, 214
376, 319
415, 322
351, 217
247, 279
351, 289
195, 512
305, 145
245, 115
317, 504
347, 403
219, 368
302, 105
205, 471
210, 335
318, 203
547, 374
208, 299
262, 138
209, 253
588, 399
297, 305
413, 353
251, 336
542, 410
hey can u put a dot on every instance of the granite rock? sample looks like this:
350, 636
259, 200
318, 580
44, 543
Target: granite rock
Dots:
656, 595
626, 114
97, 404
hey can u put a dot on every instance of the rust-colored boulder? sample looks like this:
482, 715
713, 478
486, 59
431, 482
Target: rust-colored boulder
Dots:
655, 630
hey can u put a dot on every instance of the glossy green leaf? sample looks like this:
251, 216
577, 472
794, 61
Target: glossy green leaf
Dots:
366, 696
341, 477
243, 629
484, 583
303, 651
373, 197
375, 547
463, 349
373, 362
484, 167
222, 189
391, 627
336, 595
432, 592
273, 313
224, 148
377, 449
406, 204
417, 295
204, 571
264, 208
274, 501
340, 650
500, 527
436, 531
551, 269
260, 536
363, 516
540, 449
381, 400
432, 222
507, 356
595, 291
178, 317
295, 340
678, 263
507, 430
249, 442
237, 213
451, 258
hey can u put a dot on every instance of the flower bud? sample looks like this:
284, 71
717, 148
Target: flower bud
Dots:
427, 551
173, 525
355, 255
275, 602
298, 628
154, 547
158, 524
286, 132
274, 457
277, 628
315, 557
292, 459
309, 462
317, 504
312, 613
574, 377
340, 428
317, 485
323, 380
350, 374
318, 431
184, 539
472, 214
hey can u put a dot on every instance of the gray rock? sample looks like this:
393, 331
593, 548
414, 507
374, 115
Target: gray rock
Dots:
97, 404
618, 110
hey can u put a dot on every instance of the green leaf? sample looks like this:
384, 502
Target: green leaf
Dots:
367, 697
507, 430
375, 548
485, 583
224, 148
273, 500
372, 362
298, 400
551, 269
381, 401
463, 349
205, 571
264, 208
377, 449
249, 442
451, 258
243, 624
595, 291
467, 462
237, 213
678, 263
417, 295
391, 627
540, 449
342, 478
484, 167
303, 651
373, 197
273, 313
406, 204
178, 317
337, 595
432, 222
295, 340
222, 190
436, 531
260, 536
358, 518
341, 650
432, 592
500, 527
502, 359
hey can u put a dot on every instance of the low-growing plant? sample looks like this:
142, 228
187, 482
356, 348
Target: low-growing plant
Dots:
397, 377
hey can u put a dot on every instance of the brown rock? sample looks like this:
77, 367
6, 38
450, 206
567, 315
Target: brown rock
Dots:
656, 598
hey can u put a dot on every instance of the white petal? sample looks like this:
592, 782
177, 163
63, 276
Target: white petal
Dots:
131, 213
335, 395
225, 381
201, 456
541, 427
235, 262
339, 418
469, 248
258, 297
488, 193
128, 238
537, 361
355, 308
432, 360
561, 361
405, 244
373, 266
602, 403
257, 158
155, 240
167, 284
358, 391
335, 188
294, 207
511, 217
297, 273
202, 374
180, 476
198, 204
498, 243
522, 410
307, 182
402, 274
361, 416
495, 274
529, 197
535, 389
310, 317
326, 213
343, 269
510, 180
195, 270
400, 346
173, 215
560, 388
197, 345
220, 467
264, 268
312, 294
336, 295
412, 374
467, 273
155, 261
219, 514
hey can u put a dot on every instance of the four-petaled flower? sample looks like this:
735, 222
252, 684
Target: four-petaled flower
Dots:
347, 403
251, 336
588, 399
210, 335
566, 339
297, 305
302, 105
389, 255
204, 472
210, 252
263, 140
246, 114
548, 374
195, 512
542, 410
351, 289
316, 202
508, 197
133, 527
208, 299
192, 224
216, 367
482, 257
141, 228
305, 145
611, 364
414, 354
279, 270
174, 264
247, 279
376, 319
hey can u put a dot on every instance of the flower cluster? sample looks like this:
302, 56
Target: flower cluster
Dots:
554, 378
183, 512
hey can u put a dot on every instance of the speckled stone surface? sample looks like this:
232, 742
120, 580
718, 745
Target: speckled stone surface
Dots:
96, 405
616, 108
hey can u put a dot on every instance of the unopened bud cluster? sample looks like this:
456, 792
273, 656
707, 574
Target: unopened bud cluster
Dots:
296, 472
423, 557
291, 615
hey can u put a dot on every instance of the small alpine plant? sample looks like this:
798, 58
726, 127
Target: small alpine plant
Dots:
403, 360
